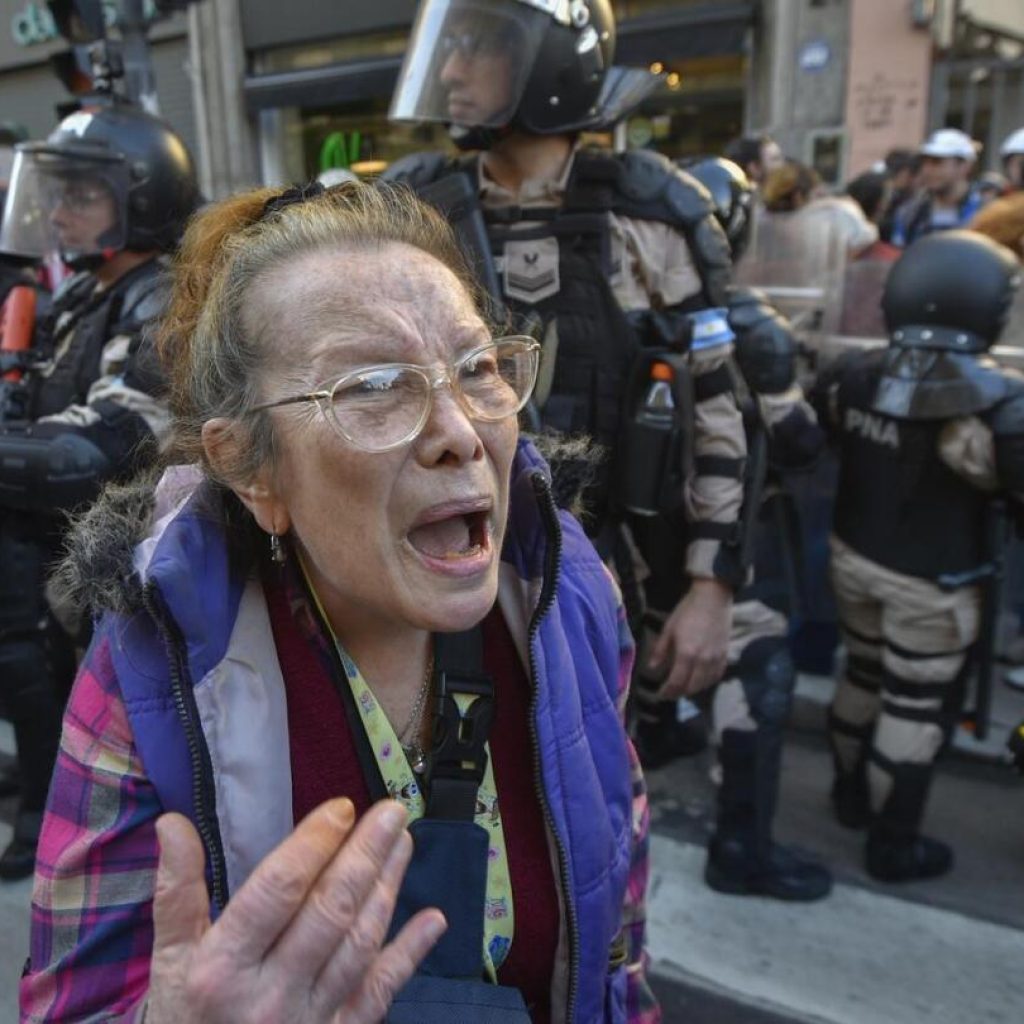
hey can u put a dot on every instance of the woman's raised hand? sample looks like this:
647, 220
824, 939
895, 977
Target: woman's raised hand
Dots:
302, 939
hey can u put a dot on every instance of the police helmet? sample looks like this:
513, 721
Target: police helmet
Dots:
951, 290
110, 177
732, 194
484, 67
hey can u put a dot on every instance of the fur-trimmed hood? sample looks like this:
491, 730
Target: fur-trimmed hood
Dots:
106, 545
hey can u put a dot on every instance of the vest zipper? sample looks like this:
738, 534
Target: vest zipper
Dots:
203, 797
552, 567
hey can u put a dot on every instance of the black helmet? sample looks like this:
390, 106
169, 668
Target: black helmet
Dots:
951, 290
112, 154
541, 66
732, 194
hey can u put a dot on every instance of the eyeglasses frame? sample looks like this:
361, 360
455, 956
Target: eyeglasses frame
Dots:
436, 377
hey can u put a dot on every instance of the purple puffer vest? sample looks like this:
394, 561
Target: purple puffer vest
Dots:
555, 595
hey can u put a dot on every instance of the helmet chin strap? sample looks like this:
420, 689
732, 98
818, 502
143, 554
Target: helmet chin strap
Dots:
472, 137
110, 244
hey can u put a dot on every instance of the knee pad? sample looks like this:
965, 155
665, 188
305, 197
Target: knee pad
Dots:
768, 675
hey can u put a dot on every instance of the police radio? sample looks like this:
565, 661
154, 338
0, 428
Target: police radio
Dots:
17, 323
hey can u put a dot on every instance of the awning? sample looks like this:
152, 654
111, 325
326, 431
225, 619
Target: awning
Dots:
325, 86
683, 33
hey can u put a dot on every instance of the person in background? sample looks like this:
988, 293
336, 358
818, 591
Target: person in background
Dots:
796, 190
928, 433
992, 185
789, 187
110, 190
1003, 219
605, 258
756, 155
949, 198
872, 192
351, 602
750, 707
865, 275
902, 168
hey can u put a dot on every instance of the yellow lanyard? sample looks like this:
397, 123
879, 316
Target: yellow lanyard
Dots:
402, 785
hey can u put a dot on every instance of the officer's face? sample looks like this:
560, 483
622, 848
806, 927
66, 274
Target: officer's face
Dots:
477, 73
83, 212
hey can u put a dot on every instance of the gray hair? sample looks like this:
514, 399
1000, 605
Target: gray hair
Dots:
212, 352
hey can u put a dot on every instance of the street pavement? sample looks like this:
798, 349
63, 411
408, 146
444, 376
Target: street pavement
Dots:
944, 952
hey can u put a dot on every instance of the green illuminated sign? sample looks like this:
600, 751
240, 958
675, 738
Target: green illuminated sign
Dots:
339, 150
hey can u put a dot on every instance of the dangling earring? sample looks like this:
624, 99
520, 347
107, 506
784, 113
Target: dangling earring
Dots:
278, 555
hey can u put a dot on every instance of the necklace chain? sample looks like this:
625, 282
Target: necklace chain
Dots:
414, 747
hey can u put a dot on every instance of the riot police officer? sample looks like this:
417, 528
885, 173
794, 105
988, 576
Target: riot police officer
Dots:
599, 255
752, 703
110, 189
929, 431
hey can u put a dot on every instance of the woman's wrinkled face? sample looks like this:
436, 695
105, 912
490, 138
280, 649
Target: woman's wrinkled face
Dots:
409, 537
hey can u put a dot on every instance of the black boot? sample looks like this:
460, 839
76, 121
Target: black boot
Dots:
851, 800
742, 858
35, 707
851, 797
895, 850
19, 859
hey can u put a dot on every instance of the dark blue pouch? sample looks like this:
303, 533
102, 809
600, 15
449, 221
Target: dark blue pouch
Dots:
449, 871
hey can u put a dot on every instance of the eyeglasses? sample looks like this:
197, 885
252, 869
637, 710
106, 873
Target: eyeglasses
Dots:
76, 198
379, 408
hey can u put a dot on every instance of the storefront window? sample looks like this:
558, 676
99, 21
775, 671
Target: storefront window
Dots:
696, 112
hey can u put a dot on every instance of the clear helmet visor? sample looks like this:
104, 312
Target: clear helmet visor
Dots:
64, 202
469, 62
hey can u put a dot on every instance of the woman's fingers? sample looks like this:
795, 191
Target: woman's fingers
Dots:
395, 965
345, 970
181, 907
334, 913
278, 889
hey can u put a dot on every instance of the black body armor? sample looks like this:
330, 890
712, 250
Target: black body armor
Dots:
897, 502
765, 347
52, 466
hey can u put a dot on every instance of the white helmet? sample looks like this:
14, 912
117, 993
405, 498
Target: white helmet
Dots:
1012, 144
950, 142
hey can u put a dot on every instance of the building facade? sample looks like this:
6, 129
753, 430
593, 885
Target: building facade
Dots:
32, 96
266, 91
841, 82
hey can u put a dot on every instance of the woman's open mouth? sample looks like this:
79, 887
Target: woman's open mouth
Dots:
455, 544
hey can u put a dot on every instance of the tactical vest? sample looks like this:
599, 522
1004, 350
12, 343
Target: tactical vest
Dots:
555, 266
897, 502
78, 328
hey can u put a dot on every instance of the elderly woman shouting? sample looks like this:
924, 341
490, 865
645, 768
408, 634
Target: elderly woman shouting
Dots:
354, 605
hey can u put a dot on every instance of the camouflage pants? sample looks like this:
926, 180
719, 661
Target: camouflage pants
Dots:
907, 644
